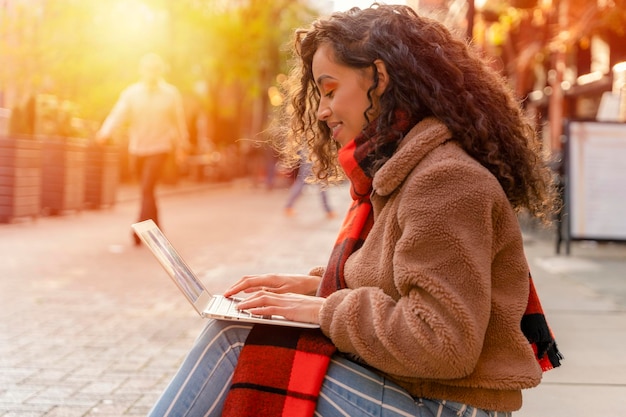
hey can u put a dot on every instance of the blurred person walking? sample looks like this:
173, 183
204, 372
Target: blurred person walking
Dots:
152, 109
305, 169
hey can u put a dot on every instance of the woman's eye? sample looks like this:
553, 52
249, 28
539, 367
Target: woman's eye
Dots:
329, 94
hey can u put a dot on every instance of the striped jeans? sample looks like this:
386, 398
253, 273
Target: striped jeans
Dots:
200, 386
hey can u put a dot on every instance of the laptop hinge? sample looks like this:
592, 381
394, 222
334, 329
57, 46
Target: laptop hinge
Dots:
203, 302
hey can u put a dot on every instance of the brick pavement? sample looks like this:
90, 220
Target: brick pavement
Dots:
91, 326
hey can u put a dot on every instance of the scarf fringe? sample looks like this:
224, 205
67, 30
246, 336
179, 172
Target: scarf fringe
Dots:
536, 329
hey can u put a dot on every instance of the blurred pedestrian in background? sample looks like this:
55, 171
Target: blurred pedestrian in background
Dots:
305, 170
153, 112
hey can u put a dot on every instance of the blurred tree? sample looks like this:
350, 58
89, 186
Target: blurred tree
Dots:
242, 51
226, 54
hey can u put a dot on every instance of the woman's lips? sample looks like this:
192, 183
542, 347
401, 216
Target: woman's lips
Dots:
334, 129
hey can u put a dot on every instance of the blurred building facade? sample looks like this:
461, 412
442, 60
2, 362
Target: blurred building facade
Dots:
560, 56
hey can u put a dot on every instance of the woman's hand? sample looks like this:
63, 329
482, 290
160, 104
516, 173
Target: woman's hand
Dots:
275, 283
298, 307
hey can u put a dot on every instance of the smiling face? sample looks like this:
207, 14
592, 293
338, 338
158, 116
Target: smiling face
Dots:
343, 94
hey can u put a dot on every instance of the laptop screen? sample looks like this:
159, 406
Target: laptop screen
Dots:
173, 263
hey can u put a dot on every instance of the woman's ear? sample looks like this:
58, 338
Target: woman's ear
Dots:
383, 76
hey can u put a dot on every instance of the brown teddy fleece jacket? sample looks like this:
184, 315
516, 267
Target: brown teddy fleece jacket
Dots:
437, 292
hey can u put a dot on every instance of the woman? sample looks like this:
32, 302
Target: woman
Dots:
423, 301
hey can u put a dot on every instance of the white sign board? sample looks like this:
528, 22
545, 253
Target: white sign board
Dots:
596, 186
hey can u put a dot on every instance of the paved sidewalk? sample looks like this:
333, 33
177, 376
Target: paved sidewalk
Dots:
91, 326
584, 295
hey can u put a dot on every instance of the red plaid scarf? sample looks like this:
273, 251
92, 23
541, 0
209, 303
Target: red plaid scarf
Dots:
281, 369
538, 333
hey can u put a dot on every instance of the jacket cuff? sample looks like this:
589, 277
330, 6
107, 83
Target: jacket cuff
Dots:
318, 271
328, 309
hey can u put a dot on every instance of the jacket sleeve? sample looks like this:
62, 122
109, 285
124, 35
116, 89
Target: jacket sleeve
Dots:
432, 323
118, 116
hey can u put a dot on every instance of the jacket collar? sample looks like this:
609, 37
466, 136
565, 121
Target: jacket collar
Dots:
418, 142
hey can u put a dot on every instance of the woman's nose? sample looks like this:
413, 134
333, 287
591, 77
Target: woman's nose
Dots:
323, 112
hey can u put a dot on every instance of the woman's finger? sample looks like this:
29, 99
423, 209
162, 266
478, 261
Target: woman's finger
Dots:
291, 306
250, 283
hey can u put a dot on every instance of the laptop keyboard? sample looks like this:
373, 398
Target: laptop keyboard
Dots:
228, 307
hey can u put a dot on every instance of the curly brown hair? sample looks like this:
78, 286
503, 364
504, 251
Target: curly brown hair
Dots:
431, 73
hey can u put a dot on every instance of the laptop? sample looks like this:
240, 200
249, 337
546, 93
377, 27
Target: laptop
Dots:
205, 303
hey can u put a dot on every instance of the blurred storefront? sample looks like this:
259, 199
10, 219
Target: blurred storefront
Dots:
559, 55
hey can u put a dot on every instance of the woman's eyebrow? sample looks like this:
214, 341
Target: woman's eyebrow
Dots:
322, 78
